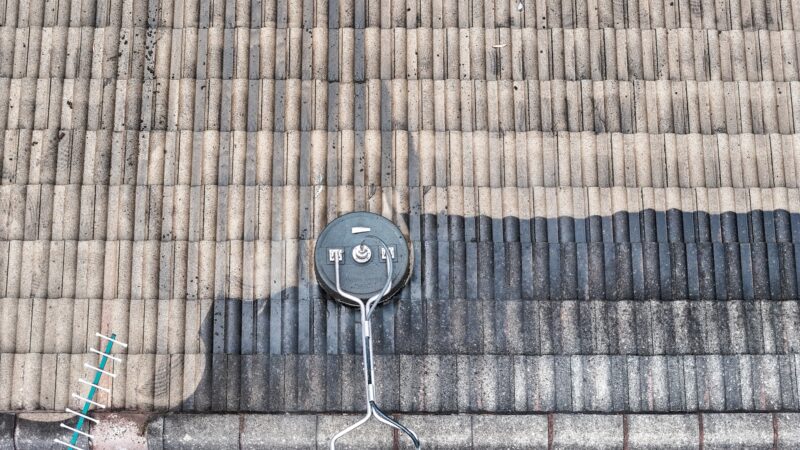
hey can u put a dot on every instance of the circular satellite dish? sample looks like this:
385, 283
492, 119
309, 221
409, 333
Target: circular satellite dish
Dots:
361, 242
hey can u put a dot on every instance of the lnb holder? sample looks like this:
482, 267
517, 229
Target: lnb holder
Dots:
361, 260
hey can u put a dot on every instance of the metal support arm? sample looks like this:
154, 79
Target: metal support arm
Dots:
366, 309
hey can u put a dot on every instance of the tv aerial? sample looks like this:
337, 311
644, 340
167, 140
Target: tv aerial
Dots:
362, 259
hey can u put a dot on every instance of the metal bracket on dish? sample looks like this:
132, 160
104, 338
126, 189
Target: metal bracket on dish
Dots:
366, 309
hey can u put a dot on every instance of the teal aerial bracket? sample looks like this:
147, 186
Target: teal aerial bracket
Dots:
94, 386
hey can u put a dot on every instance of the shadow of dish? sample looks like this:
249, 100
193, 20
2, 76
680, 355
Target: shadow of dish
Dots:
299, 351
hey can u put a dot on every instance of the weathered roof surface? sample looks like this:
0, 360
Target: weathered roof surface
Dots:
602, 197
484, 431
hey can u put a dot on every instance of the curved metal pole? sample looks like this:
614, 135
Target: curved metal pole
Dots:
366, 310
367, 377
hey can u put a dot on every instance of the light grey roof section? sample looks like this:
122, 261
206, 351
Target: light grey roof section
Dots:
663, 431
278, 431
303, 431
372, 435
788, 430
587, 431
201, 432
523, 432
732, 430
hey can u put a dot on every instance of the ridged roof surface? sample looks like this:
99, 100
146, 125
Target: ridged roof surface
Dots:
602, 198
